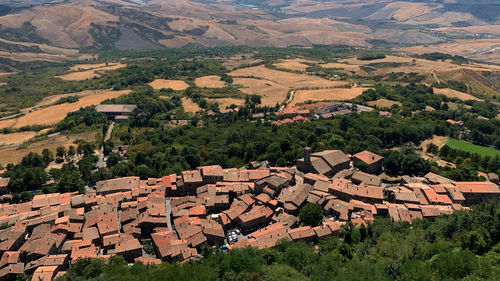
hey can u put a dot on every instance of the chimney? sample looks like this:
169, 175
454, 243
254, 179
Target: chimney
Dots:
307, 154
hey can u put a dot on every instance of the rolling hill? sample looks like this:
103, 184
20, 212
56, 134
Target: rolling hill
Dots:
59, 30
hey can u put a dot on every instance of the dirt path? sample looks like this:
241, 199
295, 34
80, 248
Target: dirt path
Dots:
435, 76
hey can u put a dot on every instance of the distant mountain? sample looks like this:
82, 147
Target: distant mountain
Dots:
49, 27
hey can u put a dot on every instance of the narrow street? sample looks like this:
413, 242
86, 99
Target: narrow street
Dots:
168, 209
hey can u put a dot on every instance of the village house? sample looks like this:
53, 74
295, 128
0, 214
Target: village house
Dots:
328, 162
180, 214
374, 161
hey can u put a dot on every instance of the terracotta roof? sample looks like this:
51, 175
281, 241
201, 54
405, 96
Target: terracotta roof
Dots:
4, 182
362, 177
332, 157
305, 232
436, 179
435, 198
117, 185
45, 273
368, 157
478, 187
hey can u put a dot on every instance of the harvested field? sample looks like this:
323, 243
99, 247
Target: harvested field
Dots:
286, 79
240, 59
14, 155
80, 67
189, 105
437, 140
53, 114
293, 64
210, 81
15, 138
479, 49
332, 94
383, 103
89, 74
225, 102
54, 98
455, 94
348, 67
270, 92
176, 85
389, 58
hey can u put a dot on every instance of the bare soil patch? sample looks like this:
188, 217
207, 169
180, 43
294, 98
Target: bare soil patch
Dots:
270, 92
53, 114
210, 81
176, 85
332, 94
437, 140
455, 94
189, 105
383, 103
89, 74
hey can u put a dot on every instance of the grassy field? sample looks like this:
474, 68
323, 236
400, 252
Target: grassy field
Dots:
472, 148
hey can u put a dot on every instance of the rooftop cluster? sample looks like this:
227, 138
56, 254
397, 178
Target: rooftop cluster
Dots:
173, 217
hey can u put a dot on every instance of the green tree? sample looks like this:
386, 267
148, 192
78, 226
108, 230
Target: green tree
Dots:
311, 214
47, 157
70, 180
60, 152
362, 166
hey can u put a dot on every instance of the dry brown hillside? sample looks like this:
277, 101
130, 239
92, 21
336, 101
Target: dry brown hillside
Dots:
123, 24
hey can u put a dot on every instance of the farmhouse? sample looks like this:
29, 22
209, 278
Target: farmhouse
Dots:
117, 112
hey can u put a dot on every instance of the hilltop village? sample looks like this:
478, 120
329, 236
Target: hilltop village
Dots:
176, 217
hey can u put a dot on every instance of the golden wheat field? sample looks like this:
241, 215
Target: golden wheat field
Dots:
332, 94
176, 85
210, 81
